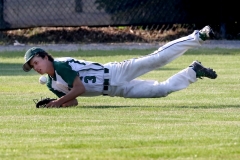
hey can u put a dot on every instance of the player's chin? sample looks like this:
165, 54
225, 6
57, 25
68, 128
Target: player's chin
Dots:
40, 72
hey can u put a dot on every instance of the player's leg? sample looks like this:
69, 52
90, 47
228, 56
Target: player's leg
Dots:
152, 89
130, 69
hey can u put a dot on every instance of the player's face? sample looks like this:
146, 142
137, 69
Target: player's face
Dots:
39, 64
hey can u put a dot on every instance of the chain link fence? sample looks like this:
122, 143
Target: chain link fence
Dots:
150, 14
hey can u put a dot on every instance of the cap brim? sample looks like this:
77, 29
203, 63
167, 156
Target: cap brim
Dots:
26, 67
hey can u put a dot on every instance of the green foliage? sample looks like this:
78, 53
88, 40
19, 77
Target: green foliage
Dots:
200, 122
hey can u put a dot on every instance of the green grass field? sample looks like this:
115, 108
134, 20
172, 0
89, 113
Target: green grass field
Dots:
201, 122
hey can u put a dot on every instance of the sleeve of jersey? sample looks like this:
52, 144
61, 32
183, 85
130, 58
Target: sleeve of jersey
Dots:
66, 72
57, 93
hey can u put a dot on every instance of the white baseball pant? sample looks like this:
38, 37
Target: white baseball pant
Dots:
122, 74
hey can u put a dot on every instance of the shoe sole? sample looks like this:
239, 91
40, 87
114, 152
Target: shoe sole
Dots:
211, 33
212, 73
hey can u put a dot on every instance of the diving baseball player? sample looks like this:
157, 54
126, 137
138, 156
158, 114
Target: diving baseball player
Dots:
69, 78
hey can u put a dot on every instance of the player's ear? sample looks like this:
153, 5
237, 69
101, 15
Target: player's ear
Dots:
45, 57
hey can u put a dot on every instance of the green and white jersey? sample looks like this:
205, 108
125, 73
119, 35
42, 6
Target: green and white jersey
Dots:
66, 70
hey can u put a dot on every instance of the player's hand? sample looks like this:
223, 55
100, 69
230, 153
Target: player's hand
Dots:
53, 104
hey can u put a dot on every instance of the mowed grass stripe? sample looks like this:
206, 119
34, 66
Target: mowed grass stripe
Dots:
200, 122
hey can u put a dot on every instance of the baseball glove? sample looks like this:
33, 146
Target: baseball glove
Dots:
43, 102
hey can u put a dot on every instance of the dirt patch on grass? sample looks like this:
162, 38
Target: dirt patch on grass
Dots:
87, 35
65, 35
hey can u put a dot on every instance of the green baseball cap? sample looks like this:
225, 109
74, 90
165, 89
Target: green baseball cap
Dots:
29, 55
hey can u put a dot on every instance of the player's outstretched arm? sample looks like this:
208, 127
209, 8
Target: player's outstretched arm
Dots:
70, 103
70, 98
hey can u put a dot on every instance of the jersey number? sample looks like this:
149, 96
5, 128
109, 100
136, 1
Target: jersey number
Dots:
89, 78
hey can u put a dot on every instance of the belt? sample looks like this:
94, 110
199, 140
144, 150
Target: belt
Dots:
106, 81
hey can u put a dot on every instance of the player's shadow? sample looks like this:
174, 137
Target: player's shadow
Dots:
104, 107
184, 107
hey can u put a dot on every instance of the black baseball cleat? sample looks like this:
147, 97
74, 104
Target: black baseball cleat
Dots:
201, 71
206, 33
